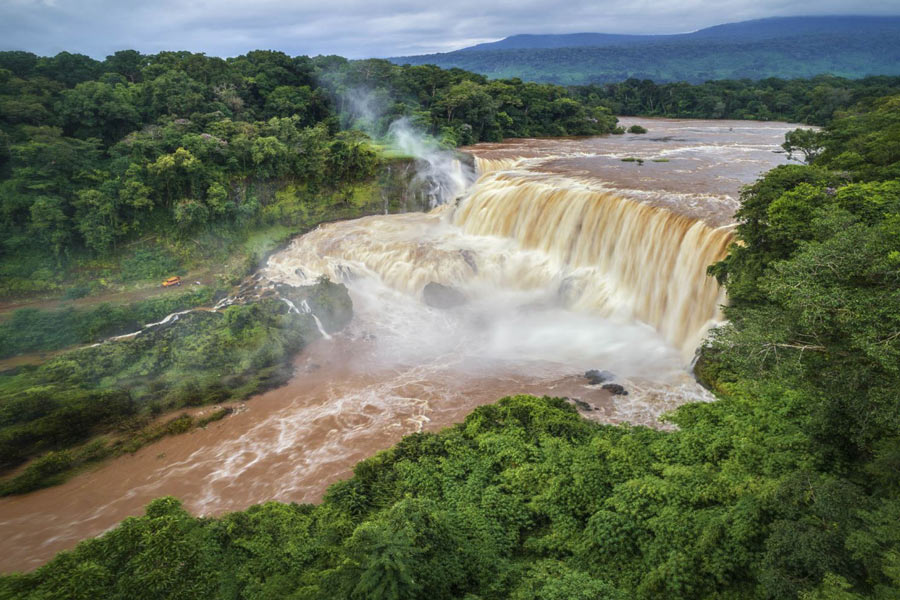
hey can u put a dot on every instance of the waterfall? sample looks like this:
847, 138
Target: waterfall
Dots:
589, 251
616, 256
306, 308
492, 165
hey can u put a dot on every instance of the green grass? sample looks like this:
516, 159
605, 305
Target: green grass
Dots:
31, 330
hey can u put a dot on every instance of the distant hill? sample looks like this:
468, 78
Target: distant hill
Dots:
848, 46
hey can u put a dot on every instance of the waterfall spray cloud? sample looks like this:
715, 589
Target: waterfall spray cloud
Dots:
439, 171
445, 176
364, 110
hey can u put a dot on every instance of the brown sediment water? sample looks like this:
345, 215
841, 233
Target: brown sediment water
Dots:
569, 258
693, 167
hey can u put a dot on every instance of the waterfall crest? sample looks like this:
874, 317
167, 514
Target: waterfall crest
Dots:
492, 165
590, 251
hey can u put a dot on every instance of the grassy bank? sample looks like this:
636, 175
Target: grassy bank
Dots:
87, 404
33, 330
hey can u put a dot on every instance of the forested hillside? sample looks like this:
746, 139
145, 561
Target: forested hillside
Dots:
792, 47
787, 487
109, 166
755, 30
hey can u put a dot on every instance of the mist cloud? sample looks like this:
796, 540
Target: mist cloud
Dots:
360, 28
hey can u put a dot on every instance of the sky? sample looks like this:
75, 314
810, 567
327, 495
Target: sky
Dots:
363, 28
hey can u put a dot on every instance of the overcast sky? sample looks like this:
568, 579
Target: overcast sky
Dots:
363, 28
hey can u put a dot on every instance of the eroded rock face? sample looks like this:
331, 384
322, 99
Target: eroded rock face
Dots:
329, 301
442, 296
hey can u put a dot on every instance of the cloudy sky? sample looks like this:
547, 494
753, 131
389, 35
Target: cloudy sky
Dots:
363, 28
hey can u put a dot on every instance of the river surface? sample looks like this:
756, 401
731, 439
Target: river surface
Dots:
569, 259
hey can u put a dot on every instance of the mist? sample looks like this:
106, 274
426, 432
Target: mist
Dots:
445, 176
439, 171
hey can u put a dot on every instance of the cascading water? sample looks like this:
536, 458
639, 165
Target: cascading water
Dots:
491, 165
308, 310
614, 256
568, 259
439, 171
586, 251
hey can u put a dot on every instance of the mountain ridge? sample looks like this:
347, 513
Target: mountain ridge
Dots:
845, 45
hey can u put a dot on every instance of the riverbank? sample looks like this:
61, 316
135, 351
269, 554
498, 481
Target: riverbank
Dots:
51, 377
53, 414
219, 256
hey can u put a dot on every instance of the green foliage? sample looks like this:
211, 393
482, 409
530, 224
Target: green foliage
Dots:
807, 142
197, 358
526, 500
814, 287
149, 263
786, 487
33, 330
98, 155
456, 106
815, 297
814, 101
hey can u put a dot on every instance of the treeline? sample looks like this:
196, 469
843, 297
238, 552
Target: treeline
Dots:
96, 153
787, 487
813, 101
527, 500
814, 317
456, 106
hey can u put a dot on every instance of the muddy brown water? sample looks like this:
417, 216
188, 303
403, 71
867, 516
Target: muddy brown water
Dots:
402, 367
288, 444
691, 166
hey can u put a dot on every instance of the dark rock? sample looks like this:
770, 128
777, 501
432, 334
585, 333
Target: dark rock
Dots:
331, 303
469, 257
615, 389
345, 273
582, 405
596, 377
437, 295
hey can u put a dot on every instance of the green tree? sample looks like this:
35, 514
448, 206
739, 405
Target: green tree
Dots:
808, 142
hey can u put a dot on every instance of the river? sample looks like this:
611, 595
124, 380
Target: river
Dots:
569, 259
